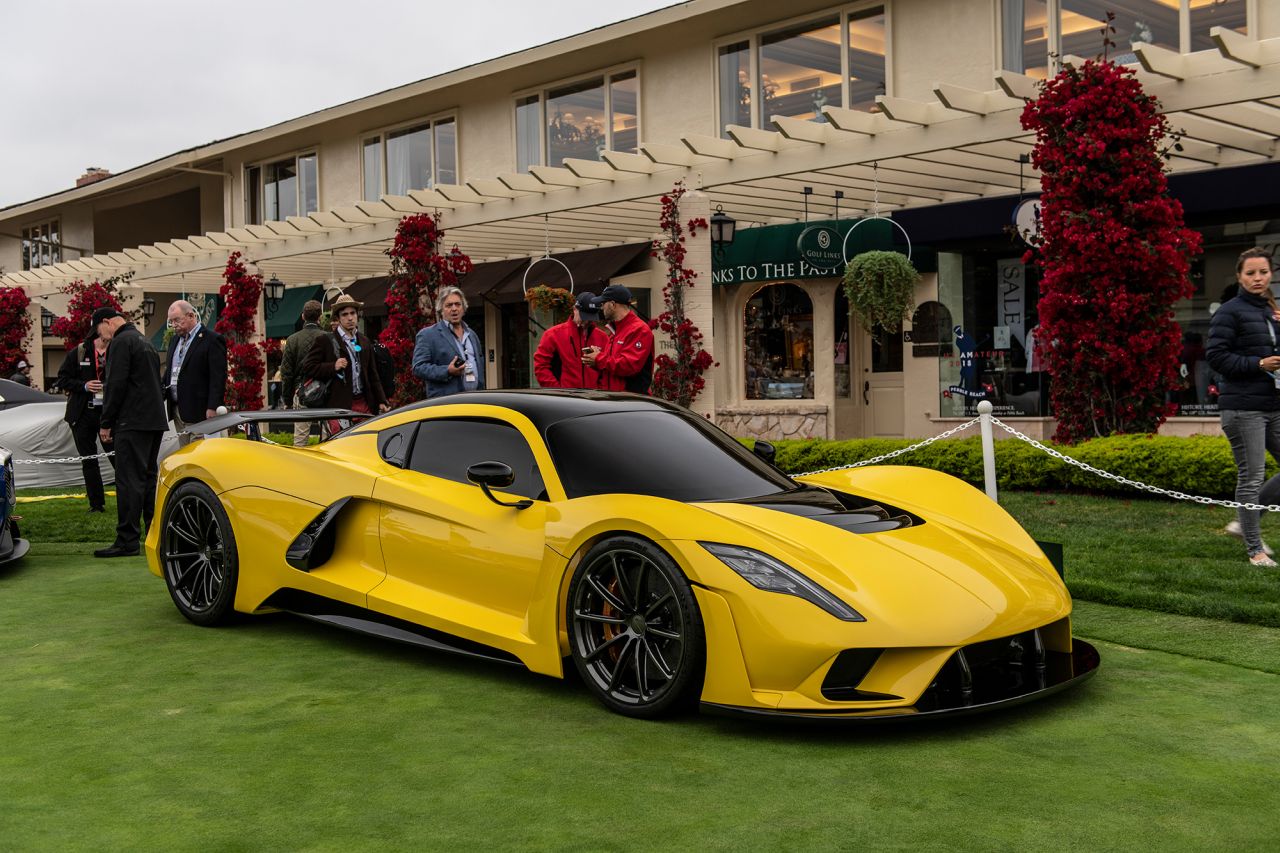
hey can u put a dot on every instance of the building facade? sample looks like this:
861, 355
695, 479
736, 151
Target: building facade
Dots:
822, 129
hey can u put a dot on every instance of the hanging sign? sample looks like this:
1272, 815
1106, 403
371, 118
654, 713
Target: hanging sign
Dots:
820, 246
1026, 220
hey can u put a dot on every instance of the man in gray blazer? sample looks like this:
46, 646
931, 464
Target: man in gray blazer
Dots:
448, 357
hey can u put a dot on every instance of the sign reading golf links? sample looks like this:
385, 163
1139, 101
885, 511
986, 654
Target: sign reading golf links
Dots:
798, 251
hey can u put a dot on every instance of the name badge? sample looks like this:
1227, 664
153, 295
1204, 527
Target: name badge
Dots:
84, 363
469, 376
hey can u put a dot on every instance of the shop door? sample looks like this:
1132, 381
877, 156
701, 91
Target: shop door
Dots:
516, 370
879, 378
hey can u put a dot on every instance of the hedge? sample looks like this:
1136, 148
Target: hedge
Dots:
1198, 465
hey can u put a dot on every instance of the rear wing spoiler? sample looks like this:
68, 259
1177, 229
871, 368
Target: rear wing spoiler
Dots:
251, 422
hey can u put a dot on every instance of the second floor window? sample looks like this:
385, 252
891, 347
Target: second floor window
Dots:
41, 245
1034, 30
837, 61
411, 158
283, 188
578, 120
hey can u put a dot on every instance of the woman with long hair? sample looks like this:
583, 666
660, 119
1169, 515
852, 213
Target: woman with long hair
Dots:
1244, 347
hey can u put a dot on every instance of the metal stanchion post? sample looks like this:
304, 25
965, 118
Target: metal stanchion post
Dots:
988, 449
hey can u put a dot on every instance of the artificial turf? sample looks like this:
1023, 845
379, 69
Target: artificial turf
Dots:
126, 727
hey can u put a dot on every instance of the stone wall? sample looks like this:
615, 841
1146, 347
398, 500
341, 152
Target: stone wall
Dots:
774, 422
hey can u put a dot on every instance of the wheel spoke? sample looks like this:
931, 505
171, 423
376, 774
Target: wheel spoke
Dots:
622, 582
640, 573
648, 611
175, 555
622, 664
609, 597
658, 661
662, 632
642, 669
604, 647
597, 617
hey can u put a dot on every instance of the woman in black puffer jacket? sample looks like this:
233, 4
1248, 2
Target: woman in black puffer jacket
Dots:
1244, 346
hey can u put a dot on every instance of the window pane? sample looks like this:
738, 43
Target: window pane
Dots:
446, 152
800, 71
843, 357
668, 455
735, 86
624, 95
309, 182
575, 122
281, 190
1151, 21
886, 351
409, 160
446, 447
778, 336
528, 125
1025, 34
866, 58
253, 195
373, 169
1206, 14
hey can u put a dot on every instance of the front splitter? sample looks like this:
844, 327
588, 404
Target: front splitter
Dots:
1084, 664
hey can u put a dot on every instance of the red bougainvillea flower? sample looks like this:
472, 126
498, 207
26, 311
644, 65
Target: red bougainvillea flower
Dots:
678, 376
241, 293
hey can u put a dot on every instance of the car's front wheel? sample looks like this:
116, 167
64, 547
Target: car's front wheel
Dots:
198, 554
635, 632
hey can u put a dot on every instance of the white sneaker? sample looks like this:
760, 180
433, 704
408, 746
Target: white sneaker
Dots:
1233, 529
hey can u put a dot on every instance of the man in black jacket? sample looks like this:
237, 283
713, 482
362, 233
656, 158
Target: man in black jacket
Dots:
81, 377
133, 416
195, 379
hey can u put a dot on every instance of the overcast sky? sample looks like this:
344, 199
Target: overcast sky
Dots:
119, 83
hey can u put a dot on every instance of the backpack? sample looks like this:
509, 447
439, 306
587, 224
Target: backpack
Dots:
314, 392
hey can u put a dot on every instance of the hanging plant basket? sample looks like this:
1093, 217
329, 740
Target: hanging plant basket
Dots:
881, 289
557, 300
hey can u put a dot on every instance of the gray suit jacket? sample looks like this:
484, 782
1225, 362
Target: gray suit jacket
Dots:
433, 350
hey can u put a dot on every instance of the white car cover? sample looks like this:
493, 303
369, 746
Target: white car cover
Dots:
37, 431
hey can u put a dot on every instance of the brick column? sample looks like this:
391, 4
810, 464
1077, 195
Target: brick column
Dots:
697, 299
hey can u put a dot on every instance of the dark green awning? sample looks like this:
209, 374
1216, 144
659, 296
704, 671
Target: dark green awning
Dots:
285, 320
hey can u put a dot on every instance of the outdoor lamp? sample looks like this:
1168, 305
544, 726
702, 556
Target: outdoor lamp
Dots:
722, 228
274, 290
46, 321
148, 308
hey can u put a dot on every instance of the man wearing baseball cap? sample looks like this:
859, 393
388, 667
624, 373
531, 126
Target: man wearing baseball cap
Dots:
626, 361
133, 416
558, 362
22, 375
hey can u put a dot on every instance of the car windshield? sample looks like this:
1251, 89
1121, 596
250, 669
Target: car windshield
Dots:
664, 454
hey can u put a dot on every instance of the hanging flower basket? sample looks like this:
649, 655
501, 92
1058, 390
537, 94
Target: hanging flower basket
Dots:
557, 300
881, 289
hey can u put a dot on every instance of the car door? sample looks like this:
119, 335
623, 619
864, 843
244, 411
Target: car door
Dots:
456, 560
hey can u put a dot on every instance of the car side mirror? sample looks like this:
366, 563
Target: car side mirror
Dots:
765, 450
495, 475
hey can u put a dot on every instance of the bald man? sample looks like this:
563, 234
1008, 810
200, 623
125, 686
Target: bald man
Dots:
196, 378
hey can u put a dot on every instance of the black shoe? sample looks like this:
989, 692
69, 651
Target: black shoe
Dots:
116, 551
97, 509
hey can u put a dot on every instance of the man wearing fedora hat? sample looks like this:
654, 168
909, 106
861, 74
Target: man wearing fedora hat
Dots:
626, 361
345, 359
557, 363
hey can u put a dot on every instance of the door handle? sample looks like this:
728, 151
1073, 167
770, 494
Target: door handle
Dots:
866, 386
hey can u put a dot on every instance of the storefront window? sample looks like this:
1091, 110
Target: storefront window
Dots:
800, 71
735, 85
778, 338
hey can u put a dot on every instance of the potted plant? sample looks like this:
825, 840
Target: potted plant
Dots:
555, 300
881, 289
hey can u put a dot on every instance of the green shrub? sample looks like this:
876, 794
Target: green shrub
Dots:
1198, 465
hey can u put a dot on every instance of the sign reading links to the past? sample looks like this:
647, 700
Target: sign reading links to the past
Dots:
795, 251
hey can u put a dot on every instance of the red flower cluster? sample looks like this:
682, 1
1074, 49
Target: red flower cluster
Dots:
418, 271
1114, 252
84, 300
678, 378
241, 294
15, 325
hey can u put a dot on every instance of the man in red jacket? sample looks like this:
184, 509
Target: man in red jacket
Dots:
558, 363
626, 362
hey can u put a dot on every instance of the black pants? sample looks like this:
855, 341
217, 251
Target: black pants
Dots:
137, 453
85, 433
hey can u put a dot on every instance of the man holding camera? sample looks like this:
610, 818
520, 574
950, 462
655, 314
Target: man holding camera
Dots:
625, 363
345, 359
447, 357
558, 361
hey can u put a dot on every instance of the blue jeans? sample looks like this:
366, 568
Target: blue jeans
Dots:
1252, 436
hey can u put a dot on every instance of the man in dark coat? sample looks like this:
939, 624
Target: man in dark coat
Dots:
295, 352
345, 358
133, 416
81, 377
195, 380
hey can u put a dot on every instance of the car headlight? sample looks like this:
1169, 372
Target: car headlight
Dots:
773, 575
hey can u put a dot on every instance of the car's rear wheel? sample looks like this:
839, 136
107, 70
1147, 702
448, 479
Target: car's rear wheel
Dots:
635, 632
198, 554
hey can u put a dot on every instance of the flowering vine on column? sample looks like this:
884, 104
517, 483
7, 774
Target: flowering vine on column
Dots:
678, 377
241, 294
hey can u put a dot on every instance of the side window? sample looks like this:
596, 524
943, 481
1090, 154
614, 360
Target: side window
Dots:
446, 447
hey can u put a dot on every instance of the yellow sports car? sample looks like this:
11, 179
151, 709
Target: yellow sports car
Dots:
669, 562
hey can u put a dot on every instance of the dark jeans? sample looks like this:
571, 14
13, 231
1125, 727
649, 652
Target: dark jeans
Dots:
137, 462
85, 434
1252, 436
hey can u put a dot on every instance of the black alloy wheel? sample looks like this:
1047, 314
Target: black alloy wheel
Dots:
635, 632
198, 554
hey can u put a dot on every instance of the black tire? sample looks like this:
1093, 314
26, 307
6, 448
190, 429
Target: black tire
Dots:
635, 632
198, 555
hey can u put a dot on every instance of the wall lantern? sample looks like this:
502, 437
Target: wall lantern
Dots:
46, 321
723, 227
148, 308
274, 290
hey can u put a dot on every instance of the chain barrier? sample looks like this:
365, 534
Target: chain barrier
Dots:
63, 459
1057, 454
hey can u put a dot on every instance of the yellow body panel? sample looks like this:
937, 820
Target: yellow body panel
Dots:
440, 554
